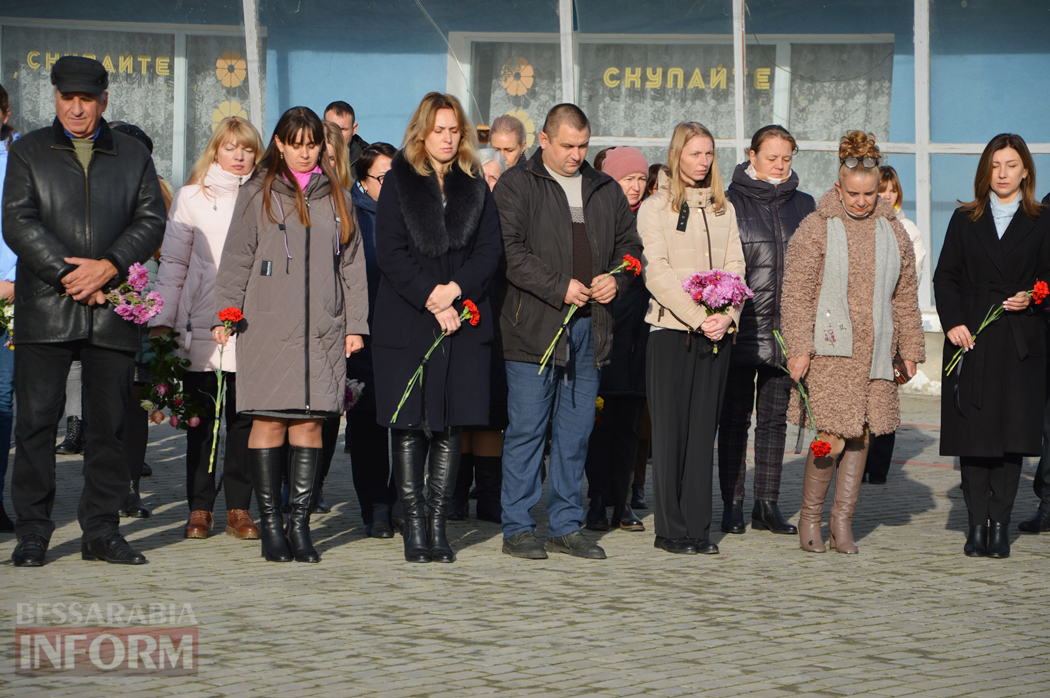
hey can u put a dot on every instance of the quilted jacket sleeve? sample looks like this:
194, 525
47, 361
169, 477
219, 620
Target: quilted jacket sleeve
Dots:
238, 254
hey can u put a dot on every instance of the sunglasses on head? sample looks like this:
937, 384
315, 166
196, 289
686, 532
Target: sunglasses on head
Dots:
852, 163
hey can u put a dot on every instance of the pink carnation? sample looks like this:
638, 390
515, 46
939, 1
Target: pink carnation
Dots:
138, 277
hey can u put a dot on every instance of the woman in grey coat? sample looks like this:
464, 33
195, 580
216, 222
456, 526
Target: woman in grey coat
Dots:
292, 265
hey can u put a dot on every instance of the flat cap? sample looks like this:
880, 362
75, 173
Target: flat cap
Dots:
79, 74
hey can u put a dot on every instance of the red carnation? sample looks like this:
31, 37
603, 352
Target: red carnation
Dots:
820, 448
470, 308
1040, 292
230, 315
632, 264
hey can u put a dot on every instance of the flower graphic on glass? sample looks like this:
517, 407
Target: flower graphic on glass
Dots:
516, 76
227, 108
231, 69
530, 125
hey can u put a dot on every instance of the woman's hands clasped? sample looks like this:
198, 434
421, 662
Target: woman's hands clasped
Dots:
440, 304
716, 326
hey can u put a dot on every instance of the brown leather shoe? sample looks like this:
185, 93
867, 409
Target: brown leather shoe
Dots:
240, 525
199, 524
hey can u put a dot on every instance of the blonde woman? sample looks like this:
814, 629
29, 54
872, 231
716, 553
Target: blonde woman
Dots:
438, 244
193, 241
337, 154
687, 226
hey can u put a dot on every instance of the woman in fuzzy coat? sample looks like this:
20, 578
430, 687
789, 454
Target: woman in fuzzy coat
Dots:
850, 304
438, 245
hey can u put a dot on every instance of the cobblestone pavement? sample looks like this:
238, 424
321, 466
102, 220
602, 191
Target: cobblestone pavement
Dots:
910, 615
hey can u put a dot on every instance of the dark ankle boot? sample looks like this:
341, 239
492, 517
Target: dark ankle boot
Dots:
409, 455
267, 467
976, 541
733, 516
302, 478
444, 463
766, 516
488, 472
380, 526
998, 540
74, 441
596, 519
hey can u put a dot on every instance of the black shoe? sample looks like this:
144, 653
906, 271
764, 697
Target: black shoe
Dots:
766, 516
74, 441
146, 470
679, 546
705, 547
133, 506
624, 518
319, 506
415, 535
998, 541
30, 551
459, 510
524, 545
6, 524
380, 526
1039, 523
976, 541
489, 511
638, 497
874, 479
733, 516
596, 520
575, 544
111, 548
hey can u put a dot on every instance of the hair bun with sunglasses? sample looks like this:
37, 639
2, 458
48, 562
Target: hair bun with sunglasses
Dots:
858, 144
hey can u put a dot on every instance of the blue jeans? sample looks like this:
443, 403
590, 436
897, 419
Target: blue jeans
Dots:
563, 396
7, 399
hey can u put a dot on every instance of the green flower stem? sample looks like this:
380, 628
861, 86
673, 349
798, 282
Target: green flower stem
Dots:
801, 391
993, 314
220, 394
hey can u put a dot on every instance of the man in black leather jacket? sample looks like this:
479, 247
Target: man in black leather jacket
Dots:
81, 205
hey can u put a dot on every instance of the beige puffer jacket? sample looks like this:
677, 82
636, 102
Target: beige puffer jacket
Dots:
670, 256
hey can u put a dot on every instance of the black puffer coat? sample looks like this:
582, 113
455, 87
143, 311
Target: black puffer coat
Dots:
766, 216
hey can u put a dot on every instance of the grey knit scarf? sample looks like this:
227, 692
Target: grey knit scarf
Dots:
833, 331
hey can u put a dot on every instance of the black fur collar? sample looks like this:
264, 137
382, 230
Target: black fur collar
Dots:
433, 230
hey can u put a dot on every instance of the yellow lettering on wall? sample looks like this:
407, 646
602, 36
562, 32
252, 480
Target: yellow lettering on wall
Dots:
654, 78
144, 61
632, 77
762, 78
31, 60
675, 73
107, 63
127, 63
91, 56
163, 67
697, 80
718, 77
610, 77
50, 58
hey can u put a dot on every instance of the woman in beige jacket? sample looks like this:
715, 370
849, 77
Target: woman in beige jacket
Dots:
687, 226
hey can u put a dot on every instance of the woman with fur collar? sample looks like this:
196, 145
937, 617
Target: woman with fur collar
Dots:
850, 304
438, 244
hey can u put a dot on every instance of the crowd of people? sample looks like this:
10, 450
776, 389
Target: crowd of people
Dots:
475, 315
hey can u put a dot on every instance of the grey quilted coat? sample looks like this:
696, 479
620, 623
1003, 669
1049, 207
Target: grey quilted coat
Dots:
301, 294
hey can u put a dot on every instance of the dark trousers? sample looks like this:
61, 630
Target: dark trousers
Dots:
136, 435
880, 451
989, 487
369, 462
201, 491
40, 388
613, 446
773, 388
1041, 484
685, 382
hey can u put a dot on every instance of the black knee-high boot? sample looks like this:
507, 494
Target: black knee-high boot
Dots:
445, 452
302, 479
267, 468
409, 454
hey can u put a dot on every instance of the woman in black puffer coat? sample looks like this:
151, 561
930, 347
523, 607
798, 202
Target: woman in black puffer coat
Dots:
769, 207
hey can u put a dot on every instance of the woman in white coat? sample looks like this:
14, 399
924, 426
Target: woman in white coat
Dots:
197, 226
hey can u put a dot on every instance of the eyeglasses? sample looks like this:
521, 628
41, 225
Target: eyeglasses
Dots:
379, 179
852, 163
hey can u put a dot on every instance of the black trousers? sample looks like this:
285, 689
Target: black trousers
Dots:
40, 388
613, 448
880, 452
201, 491
773, 388
685, 382
1041, 484
369, 462
989, 487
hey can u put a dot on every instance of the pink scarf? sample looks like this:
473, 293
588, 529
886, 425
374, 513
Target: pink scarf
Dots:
303, 178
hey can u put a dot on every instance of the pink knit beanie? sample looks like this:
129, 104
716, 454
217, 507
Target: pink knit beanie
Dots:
620, 162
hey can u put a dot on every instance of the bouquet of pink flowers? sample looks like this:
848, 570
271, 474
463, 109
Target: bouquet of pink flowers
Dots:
717, 290
128, 300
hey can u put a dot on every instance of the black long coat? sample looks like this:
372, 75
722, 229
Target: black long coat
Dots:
418, 246
994, 404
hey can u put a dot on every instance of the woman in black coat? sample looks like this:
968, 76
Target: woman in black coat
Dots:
438, 244
769, 207
996, 248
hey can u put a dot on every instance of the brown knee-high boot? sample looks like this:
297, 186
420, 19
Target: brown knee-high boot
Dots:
847, 488
815, 485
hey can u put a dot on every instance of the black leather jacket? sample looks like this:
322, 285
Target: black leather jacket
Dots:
766, 216
53, 210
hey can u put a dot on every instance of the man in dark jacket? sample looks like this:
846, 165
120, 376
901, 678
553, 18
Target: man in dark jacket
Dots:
81, 204
564, 226
342, 115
